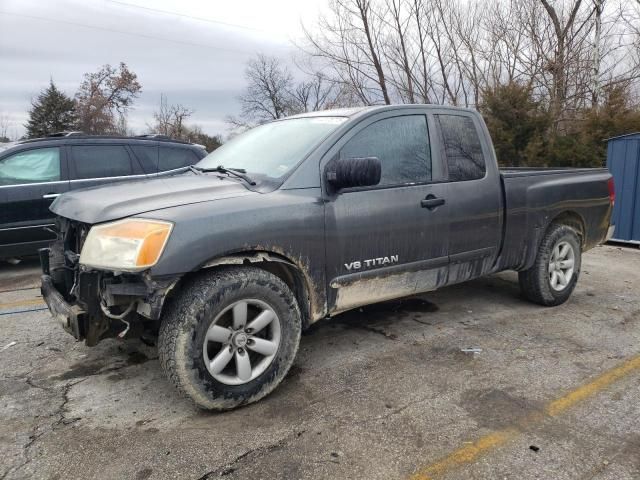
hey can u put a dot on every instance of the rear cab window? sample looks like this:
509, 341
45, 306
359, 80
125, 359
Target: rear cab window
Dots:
100, 161
460, 146
38, 165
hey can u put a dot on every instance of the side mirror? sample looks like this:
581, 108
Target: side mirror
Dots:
354, 172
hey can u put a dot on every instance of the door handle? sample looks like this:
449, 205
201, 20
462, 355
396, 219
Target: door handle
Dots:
431, 202
51, 195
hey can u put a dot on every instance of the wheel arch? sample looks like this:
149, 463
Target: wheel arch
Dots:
572, 219
277, 264
534, 280
565, 217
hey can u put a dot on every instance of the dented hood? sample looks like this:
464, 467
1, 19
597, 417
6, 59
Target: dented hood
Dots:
118, 200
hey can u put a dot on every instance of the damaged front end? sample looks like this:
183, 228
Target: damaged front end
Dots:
94, 304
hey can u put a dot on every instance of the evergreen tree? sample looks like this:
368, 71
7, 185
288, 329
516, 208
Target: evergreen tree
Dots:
195, 134
518, 124
51, 112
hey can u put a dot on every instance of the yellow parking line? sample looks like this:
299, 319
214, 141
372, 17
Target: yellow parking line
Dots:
469, 453
558, 406
22, 303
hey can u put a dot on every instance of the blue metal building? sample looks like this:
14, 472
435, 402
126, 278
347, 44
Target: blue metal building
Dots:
623, 161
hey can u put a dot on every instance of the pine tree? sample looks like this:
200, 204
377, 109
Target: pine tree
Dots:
518, 124
51, 112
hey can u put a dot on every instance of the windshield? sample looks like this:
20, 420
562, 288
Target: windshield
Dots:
272, 149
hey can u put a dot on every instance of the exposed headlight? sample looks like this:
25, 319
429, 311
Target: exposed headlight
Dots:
126, 245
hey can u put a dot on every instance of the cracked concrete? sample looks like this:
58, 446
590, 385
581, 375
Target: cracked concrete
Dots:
253, 453
375, 393
39, 432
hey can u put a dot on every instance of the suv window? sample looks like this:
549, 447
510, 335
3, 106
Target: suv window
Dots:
98, 161
171, 158
32, 166
401, 144
461, 147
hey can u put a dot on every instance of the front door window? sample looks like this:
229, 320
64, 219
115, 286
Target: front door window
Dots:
33, 166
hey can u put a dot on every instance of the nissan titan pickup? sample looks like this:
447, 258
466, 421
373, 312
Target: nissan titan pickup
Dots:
304, 218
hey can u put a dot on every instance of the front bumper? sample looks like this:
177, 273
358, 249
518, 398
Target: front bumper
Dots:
71, 317
88, 303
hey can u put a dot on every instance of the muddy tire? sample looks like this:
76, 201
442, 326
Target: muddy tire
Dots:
229, 337
553, 276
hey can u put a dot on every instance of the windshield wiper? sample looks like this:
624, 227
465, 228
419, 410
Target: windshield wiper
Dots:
236, 172
195, 170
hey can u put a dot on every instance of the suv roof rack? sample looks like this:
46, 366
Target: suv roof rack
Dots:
64, 135
74, 133
157, 136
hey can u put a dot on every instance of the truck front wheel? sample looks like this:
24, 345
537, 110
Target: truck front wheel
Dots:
229, 337
553, 276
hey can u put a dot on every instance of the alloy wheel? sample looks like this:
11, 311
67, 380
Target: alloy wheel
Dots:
241, 342
561, 266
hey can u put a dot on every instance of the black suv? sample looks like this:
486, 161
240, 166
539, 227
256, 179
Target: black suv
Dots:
34, 172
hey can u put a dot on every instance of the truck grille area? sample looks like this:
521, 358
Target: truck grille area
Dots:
105, 301
64, 255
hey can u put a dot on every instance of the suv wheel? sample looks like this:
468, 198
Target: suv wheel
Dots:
230, 337
553, 276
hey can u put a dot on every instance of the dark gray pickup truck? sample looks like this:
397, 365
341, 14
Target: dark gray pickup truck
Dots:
304, 218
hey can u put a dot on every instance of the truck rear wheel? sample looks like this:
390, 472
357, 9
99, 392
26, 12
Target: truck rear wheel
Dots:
229, 337
553, 276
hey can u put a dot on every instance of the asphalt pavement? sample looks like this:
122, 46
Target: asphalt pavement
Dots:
469, 382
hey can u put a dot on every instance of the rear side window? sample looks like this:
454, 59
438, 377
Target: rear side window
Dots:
148, 157
401, 144
461, 147
99, 161
32, 166
172, 158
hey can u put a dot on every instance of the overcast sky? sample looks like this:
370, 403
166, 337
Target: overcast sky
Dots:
194, 51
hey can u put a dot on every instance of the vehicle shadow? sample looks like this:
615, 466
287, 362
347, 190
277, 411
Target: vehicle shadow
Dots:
497, 289
115, 366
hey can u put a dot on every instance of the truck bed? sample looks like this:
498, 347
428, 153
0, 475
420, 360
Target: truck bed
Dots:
534, 197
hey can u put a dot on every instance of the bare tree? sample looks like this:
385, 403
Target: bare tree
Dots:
595, 76
104, 98
170, 120
451, 51
620, 47
557, 65
397, 51
272, 93
366, 13
424, 71
5, 124
350, 42
267, 96
316, 93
